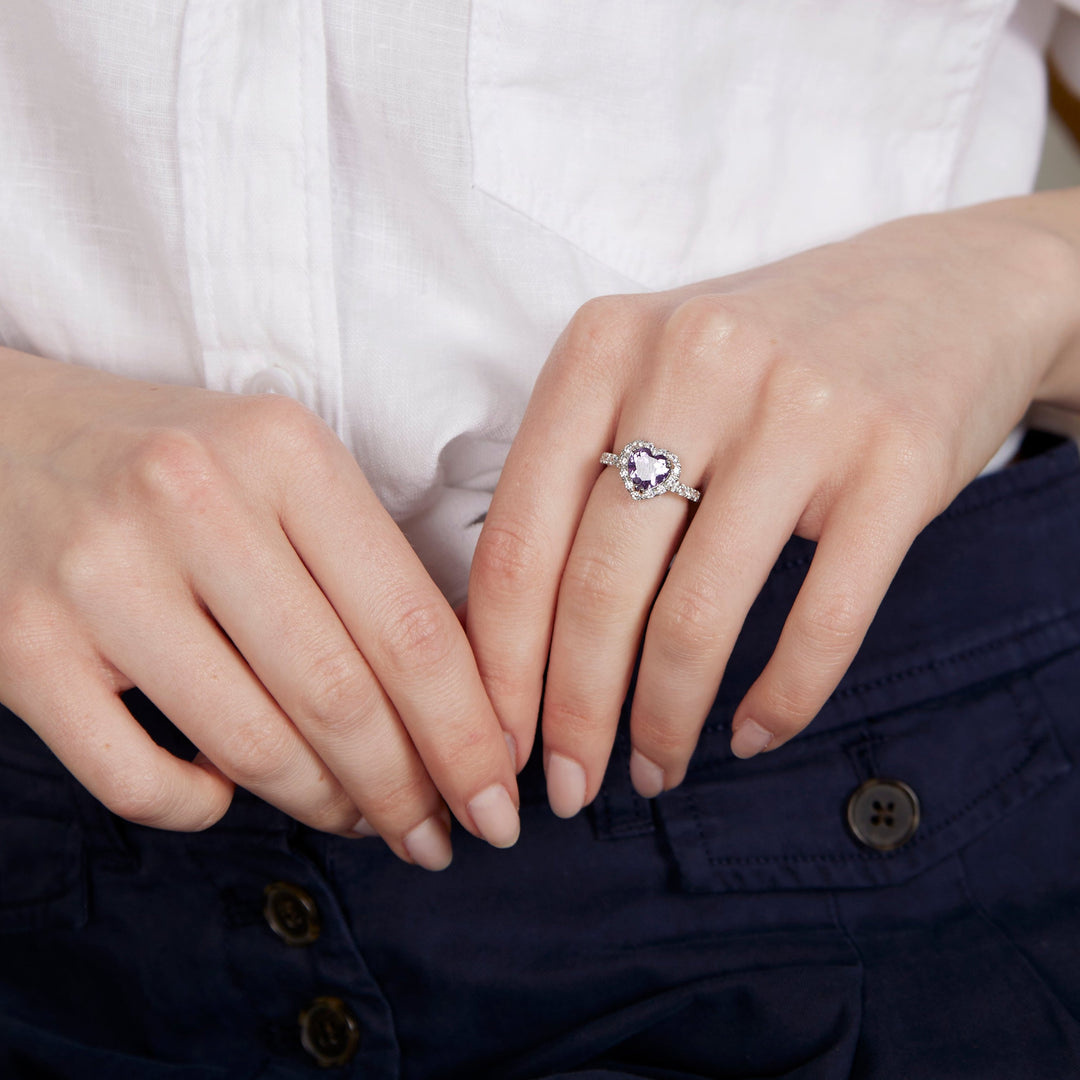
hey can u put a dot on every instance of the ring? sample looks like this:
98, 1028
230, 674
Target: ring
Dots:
647, 470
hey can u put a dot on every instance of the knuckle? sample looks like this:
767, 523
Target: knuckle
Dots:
660, 739
92, 558
509, 558
800, 393
599, 334
340, 691
688, 623
417, 637
287, 424
592, 578
294, 439
575, 724
27, 629
259, 751
397, 798
833, 624
786, 708
462, 751
703, 325
271, 415
333, 815
175, 470
600, 319
511, 686
142, 797
914, 485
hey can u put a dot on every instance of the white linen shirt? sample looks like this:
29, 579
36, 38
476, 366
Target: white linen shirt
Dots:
390, 210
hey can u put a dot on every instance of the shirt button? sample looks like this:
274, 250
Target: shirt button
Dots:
883, 814
329, 1031
272, 380
291, 913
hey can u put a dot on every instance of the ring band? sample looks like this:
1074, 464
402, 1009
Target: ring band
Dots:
647, 471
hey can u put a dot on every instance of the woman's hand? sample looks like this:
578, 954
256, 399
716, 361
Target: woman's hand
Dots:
226, 555
844, 395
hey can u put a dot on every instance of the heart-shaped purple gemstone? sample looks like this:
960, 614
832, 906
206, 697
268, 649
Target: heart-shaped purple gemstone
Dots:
647, 470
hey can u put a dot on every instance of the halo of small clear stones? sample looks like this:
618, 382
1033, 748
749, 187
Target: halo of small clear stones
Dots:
670, 483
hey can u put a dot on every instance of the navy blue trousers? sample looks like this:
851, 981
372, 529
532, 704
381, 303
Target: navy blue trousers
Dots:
735, 927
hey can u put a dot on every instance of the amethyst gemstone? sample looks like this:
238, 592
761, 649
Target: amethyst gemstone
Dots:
647, 470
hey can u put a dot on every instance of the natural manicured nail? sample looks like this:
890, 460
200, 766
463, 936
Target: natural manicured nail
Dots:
364, 828
511, 745
494, 814
565, 785
646, 776
750, 739
428, 844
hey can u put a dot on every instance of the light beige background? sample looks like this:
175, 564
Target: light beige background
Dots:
1061, 159
1060, 168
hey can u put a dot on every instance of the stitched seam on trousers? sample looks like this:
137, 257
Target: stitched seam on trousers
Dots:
699, 823
998, 929
955, 513
885, 857
604, 814
930, 665
636, 827
841, 926
1031, 745
953, 658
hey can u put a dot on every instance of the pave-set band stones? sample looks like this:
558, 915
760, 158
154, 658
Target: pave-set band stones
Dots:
646, 470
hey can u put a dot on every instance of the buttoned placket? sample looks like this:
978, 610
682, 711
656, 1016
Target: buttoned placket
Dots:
255, 183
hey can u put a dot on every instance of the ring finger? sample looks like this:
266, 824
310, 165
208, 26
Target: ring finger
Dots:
616, 565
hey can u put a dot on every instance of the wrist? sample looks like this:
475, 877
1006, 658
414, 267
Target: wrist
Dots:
1039, 245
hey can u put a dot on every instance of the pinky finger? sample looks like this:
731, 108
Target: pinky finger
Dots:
101, 744
857, 557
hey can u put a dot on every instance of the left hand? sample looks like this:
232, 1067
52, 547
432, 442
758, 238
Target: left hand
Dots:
845, 395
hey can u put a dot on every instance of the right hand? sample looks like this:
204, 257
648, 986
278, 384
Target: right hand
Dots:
226, 555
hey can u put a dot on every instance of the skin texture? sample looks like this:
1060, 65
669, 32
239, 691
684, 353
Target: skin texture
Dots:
215, 550
845, 395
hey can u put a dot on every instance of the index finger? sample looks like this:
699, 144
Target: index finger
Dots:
522, 550
411, 639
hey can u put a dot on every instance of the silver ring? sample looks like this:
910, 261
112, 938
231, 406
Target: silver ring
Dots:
647, 471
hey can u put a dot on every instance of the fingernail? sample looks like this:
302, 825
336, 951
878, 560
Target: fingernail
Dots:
750, 739
428, 844
364, 828
565, 785
511, 745
494, 814
646, 776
